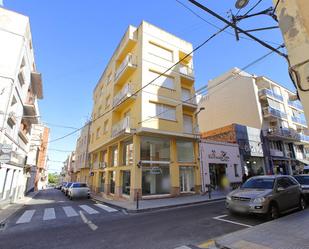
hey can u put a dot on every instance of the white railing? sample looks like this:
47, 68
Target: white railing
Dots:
125, 92
121, 126
185, 70
128, 60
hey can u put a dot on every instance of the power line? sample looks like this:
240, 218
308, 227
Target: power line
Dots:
258, 2
215, 26
143, 87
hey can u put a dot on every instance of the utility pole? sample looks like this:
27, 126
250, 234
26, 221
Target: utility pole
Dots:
294, 24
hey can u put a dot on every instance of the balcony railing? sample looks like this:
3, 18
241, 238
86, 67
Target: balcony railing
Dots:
277, 153
189, 99
270, 93
286, 133
299, 120
127, 61
125, 92
121, 127
185, 70
303, 137
274, 112
296, 104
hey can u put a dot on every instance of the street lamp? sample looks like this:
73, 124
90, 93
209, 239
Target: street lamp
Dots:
241, 4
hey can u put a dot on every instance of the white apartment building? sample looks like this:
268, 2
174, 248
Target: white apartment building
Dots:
20, 89
237, 97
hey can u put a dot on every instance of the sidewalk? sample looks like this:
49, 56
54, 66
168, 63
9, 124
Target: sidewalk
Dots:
289, 232
147, 205
10, 209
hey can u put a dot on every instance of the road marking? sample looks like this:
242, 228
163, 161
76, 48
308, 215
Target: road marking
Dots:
183, 247
69, 211
220, 217
26, 217
207, 244
90, 224
106, 208
88, 209
49, 214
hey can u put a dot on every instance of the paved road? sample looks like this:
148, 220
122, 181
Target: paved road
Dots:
53, 221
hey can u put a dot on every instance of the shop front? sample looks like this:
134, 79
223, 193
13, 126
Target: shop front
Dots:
220, 163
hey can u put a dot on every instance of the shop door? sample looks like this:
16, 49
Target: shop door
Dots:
186, 178
217, 173
112, 182
102, 181
126, 182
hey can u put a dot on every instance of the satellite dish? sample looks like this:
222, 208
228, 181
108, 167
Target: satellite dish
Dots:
241, 4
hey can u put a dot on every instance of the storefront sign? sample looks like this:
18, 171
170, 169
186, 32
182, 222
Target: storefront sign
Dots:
6, 148
222, 156
5, 158
154, 171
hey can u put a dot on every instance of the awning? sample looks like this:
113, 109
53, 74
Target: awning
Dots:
306, 162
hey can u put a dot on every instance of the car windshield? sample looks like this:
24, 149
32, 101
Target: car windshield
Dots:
304, 180
259, 183
69, 184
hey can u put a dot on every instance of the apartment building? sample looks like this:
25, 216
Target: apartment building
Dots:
237, 97
81, 155
20, 89
70, 174
37, 157
143, 144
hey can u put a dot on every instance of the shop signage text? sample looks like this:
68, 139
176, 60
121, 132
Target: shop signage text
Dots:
222, 156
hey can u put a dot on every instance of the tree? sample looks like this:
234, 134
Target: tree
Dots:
53, 178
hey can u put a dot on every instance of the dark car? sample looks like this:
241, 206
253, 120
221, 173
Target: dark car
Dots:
304, 183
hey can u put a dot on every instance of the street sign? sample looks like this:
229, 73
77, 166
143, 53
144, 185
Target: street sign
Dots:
6, 148
155, 171
5, 158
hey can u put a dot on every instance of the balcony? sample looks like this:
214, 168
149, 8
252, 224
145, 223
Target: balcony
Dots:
269, 93
31, 108
125, 69
121, 127
303, 137
127, 43
24, 136
187, 72
16, 159
271, 112
125, 92
282, 133
296, 104
298, 120
189, 102
276, 153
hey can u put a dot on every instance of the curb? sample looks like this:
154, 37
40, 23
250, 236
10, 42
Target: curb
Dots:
29, 198
158, 208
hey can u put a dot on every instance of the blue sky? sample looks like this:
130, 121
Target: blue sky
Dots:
74, 39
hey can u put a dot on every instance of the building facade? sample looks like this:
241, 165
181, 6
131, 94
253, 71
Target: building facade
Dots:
143, 142
260, 103
219, 160
82, 164
20, 89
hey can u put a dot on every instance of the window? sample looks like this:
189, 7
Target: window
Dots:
105, 127
98, 133
160, 51
164, 111
187, 124
185, 95
236, 170
155, 149
103, 156
162, 81
185, 151
276, 105
127, 153
114, 158
107, 101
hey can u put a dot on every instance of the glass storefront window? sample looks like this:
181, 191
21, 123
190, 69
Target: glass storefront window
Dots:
186, 178
155, 149
114, 160
127, 154
126, 182
185, 151
156, 180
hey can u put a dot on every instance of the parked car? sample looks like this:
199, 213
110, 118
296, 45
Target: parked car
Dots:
78, 190
62, 186
66, 188
267, 195
303, 180
306, 169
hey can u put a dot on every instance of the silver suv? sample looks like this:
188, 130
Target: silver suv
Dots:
268, 195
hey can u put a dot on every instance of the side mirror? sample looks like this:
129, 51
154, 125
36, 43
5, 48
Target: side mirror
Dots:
280, 189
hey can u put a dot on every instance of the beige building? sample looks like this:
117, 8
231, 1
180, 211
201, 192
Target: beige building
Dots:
144, 144
20, 89
258, 102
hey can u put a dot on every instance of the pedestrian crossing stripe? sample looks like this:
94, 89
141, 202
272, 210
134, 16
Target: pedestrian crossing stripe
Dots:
50, 214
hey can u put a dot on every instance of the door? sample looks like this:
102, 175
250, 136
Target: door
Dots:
293, 192
216, 174
186, 178
282, 196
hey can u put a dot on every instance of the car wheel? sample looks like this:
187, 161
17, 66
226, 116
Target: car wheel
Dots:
273, 212
302, 203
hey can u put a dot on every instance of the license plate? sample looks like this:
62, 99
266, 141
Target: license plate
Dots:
239, 209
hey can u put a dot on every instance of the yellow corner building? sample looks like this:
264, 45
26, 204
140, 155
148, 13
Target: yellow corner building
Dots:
144, 144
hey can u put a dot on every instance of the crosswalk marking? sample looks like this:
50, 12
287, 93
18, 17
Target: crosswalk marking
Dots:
106, 208
69, 211
49, 214
26, 217
88, 209
183, 247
